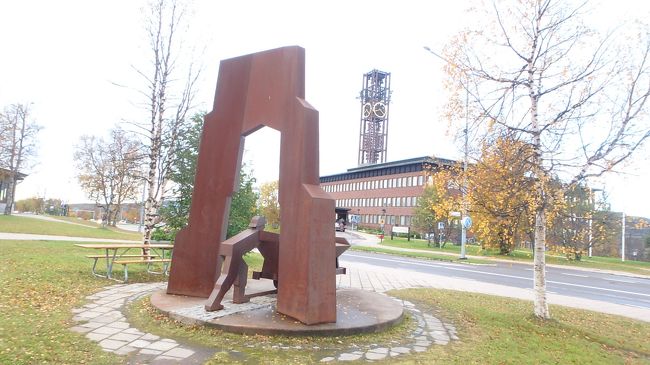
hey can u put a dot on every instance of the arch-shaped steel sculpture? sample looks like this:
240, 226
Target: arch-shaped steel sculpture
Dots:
256, 90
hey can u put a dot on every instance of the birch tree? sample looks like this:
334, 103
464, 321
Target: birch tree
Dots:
533, 68
169, 93
17, 145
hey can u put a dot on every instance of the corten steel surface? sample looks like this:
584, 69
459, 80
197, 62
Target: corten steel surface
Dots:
263, 89
235, 270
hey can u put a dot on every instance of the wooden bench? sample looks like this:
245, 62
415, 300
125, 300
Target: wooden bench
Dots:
146, 259
119, 252
109, 257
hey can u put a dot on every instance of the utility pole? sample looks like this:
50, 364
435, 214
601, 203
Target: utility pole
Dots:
591, 236
623, 238
464, 217
465, 220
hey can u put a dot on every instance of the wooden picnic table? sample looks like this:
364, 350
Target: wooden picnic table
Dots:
117, 253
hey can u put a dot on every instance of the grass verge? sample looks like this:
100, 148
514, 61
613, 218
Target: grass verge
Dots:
595, 262
14, 224
421, 255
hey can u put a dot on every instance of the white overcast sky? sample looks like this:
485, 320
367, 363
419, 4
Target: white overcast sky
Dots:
66, 57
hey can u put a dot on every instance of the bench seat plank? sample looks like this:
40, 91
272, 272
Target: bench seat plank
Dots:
125, 262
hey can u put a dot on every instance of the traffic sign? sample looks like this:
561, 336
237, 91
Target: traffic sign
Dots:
466, 222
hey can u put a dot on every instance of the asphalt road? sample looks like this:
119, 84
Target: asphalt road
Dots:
617, 289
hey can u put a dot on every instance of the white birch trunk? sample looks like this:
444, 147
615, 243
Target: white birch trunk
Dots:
539, 268
539, 278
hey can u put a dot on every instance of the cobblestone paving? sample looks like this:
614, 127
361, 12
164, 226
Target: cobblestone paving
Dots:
429, 330
102, 321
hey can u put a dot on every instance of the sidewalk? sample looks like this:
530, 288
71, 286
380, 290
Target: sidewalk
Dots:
381, 279
50, 219
43, 237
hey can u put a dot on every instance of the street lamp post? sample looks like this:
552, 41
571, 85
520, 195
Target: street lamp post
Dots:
466, 221
465, 218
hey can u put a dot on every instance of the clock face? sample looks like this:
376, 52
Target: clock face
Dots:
379, 109
367, 109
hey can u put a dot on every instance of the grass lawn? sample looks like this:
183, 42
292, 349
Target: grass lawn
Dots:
42, 281
595, 262
495, 330
14, 224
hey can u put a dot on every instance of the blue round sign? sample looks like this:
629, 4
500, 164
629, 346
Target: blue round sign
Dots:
467, 222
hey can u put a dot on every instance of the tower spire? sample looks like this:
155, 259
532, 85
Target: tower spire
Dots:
373, 129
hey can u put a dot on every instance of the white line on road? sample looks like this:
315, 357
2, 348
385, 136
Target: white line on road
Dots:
636, 306
623, 281
578, 275
413, 263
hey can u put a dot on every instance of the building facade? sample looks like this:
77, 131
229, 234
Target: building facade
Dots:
384, 194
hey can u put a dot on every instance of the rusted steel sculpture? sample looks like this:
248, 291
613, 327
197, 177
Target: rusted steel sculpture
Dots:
234, 269
263, 89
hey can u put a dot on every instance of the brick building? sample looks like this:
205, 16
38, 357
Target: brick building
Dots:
386, 192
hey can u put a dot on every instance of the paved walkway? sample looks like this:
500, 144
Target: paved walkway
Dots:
44, 237
48, 218
102, 320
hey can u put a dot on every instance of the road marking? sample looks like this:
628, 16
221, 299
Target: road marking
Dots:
623, 281
578, 275
413, 263
636, 306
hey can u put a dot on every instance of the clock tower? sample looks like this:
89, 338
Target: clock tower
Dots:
375, 98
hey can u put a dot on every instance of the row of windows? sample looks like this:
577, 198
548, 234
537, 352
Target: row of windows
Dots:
399, 182
402, 220
402, 201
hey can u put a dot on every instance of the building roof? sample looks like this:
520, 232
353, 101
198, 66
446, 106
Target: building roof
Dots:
5, 172
388, 168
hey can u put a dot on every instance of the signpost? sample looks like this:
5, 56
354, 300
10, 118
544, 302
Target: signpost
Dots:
397, 229
466, 223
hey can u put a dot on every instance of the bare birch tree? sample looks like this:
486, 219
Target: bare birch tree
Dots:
109, 172
534, 70
169, 93
17, 145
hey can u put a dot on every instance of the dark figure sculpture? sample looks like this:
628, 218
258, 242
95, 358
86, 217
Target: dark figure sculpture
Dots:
234, 269
262, 89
